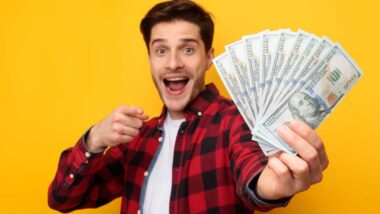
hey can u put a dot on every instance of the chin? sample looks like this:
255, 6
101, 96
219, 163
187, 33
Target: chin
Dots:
176, 105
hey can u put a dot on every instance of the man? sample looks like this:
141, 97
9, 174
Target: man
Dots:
197, 156
306, 108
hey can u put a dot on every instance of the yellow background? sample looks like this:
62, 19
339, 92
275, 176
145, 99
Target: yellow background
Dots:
66, 64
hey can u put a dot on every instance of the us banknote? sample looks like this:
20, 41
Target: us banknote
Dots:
277, 76
323, 89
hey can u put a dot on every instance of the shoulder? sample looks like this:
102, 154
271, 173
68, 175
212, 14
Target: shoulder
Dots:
225, 105
223, 111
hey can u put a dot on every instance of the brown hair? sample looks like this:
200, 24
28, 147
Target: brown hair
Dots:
185, 10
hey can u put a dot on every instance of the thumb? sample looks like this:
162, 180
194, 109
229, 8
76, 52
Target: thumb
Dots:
142, 117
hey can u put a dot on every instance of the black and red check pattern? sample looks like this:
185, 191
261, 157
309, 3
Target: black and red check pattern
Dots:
214, 161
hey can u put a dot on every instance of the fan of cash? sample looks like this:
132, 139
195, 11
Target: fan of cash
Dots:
274, 77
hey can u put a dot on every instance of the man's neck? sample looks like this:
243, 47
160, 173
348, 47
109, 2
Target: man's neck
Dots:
176, 115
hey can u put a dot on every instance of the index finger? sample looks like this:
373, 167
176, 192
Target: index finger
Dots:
304, 149
134, 111
131, 110
311, 136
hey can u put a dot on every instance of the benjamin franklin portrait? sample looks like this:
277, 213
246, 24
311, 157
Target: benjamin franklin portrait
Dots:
306, 108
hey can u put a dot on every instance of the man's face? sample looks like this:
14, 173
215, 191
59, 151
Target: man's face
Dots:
306, 105
178, 63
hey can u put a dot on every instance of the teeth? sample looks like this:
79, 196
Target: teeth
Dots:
176, 79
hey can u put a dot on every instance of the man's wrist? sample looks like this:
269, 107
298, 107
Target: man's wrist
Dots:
253, 185
92, 142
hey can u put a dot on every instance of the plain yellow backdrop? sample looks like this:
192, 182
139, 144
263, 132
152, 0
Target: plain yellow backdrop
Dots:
66, 64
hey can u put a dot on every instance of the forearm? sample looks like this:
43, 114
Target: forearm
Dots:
248, 161
82, 179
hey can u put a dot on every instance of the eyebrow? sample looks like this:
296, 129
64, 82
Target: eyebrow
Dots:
185, 40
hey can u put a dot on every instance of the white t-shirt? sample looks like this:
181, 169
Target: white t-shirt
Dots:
157, 196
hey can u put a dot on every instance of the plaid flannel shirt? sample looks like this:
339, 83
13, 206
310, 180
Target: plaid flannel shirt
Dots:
214, 167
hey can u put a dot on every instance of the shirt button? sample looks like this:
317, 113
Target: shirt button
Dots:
71, 175
86, 161
181, 131
199, 113
138, 211
87, 154
146, 173
160, 139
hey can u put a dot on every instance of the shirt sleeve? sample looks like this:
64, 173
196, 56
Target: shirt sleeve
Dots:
85, 179
247, 162
251, 188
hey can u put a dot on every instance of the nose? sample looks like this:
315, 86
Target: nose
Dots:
174, 61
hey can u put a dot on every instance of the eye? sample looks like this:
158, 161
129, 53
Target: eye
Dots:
160, 51
188, 51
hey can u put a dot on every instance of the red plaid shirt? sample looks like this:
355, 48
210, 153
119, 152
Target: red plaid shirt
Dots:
214, 167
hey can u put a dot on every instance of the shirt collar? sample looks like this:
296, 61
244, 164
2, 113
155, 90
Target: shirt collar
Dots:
197, 106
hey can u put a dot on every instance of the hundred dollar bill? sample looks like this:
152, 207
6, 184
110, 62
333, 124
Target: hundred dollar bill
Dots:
253, 45
266, 139
284, 50
229, 77
269, 43
304, 71
286, 73
267, 148
238, 55
328, 83
289, 80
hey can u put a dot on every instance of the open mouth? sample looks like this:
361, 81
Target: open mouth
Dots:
176, 85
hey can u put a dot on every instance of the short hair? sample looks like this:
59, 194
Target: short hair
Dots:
185, 10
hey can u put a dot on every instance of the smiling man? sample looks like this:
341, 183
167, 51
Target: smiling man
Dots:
178, 63
197, 156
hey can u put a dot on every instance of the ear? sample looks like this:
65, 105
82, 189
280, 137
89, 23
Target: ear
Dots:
210, 56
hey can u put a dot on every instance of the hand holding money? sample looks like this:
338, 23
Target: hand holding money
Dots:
285, 174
